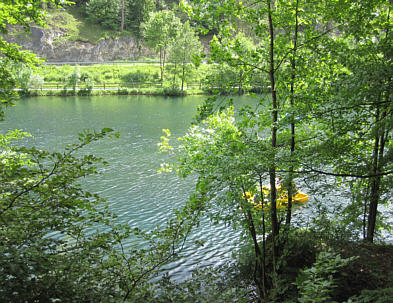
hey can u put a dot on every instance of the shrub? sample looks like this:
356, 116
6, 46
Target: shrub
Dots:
316, 283
173, 92
136, 76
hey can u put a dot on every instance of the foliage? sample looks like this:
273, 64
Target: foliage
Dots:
62, 20
174, 92
104, 12
221, 79
60, 242
137, 12
331, 120
119, 73
384, 295
73, 79
206, 285
137, 76
11, 13
161, 28
316, 283
228, 168
87, 88
108, 13
184, 50
46, 253
26, 79
76, 26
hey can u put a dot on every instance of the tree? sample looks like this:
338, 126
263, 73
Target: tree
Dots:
161, 28
229, 164
291, 36
16, 12
185, 50
105, 12
122, 15
276, 46
361, 125
137, 12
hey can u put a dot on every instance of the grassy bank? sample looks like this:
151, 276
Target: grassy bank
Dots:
118, 78
124, 91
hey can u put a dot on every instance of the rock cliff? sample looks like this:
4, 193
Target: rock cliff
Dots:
55, 47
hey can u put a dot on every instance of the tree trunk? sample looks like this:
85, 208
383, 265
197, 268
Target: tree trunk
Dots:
292, 102
259, 264
272, 170
378, 154
263, 237
174, 76
122, 16
182, 76
374, 197
379, 147
259, 269
161, 66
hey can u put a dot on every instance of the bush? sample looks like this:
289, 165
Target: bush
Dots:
384, 295
136, 76
173, 92
316, 283
122, 91
87, 89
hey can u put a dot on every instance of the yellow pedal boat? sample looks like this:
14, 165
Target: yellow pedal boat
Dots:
299, 197
282, 201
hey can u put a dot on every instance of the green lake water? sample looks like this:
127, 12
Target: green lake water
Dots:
135, 191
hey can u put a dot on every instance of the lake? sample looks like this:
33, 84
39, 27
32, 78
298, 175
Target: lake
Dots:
135, 191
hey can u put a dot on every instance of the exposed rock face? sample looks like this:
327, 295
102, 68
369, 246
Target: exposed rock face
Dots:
53, 46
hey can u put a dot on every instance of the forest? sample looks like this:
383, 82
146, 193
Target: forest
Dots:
323, 122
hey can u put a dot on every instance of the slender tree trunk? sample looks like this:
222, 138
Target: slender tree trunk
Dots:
378, 155
272, 170
122, 16
292, 102
163, 64
240, 83
174, 76
259, 266
379, 147
364, 223
263, 238
161, 69
182, 76
183, 67
372, 214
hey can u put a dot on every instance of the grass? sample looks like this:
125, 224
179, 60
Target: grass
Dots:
61, 20
118, 73
77, 28
141, 78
